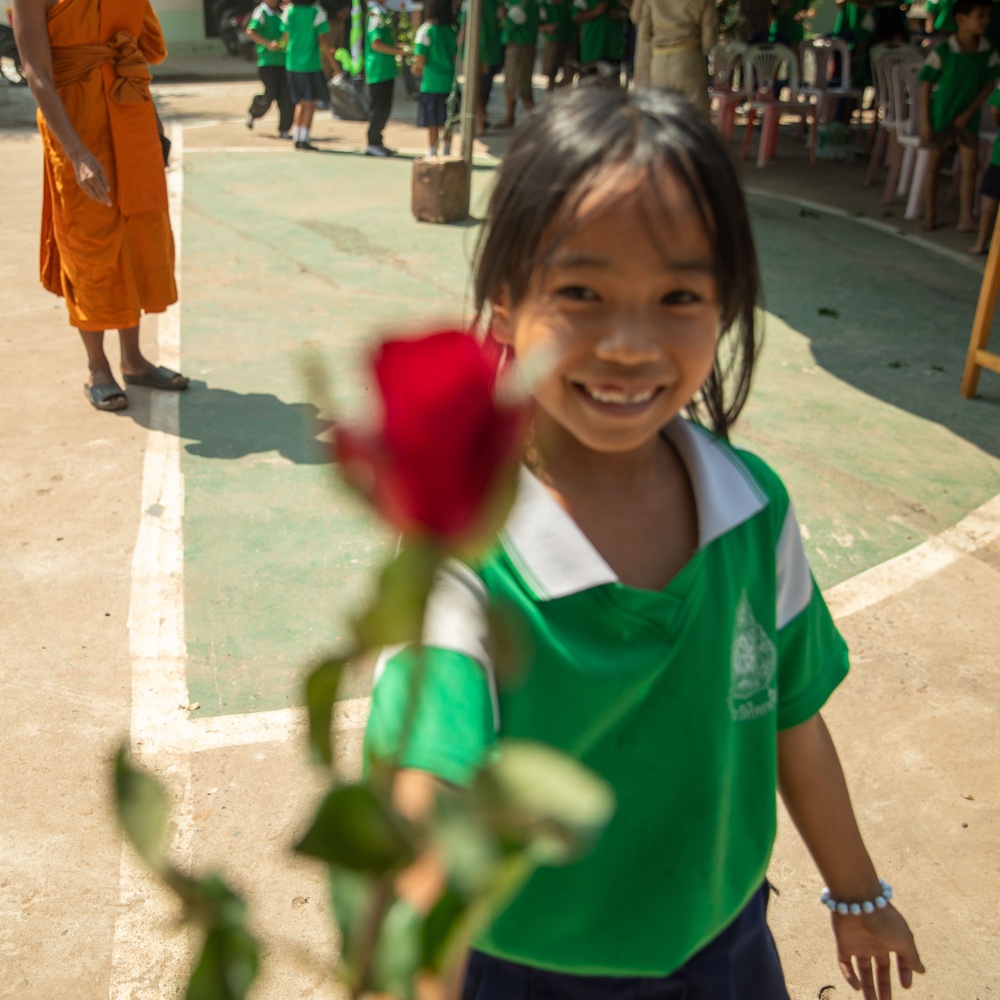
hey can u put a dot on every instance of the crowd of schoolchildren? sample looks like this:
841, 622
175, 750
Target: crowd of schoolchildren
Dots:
659, 43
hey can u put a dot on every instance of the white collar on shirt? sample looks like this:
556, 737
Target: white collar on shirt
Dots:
984, 45
557, 559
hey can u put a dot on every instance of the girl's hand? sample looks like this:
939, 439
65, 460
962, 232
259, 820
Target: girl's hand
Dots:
865, 944
91, 177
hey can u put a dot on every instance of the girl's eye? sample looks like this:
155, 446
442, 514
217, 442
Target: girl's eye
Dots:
681, 298
577, 293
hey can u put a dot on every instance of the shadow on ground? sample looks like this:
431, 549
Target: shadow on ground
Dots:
220, 423
881, 314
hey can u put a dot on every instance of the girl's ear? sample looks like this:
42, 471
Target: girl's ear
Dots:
500, 326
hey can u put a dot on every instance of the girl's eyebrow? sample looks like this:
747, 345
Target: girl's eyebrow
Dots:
569, 261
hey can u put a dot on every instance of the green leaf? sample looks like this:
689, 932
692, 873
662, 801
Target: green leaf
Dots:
468, 848
321, 693
351, 895
227, 966
397, 956
397, 614
538, 799
354, 829
439, 927
143, 810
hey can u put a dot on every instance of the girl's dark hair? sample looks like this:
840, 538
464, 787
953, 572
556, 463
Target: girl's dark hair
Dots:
440, 11
554, 159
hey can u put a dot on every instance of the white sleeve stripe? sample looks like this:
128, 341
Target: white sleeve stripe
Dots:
795, 584
456, 620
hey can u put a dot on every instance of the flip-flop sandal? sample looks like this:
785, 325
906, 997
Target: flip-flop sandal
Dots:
159, 378
108, 396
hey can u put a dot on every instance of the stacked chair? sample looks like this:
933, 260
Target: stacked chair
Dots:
769, 69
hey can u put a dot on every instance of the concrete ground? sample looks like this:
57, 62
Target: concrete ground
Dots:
170, 570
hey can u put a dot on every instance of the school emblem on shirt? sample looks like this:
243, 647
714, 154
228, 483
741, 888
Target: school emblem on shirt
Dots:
753, 690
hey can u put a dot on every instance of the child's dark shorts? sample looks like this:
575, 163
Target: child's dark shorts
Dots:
953, 138
990, 186
432, 109
740, 964
308, 87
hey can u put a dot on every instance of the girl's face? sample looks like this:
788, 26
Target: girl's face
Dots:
623, 326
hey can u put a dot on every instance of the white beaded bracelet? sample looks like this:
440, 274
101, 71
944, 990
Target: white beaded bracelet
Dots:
880, 902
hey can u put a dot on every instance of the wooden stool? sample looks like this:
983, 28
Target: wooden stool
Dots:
439, 189
979, 357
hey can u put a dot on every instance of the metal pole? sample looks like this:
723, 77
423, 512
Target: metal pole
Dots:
470, 92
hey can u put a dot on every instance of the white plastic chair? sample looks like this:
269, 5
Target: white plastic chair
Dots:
726, 83
883, 57
819, 59
764, 67
908, 169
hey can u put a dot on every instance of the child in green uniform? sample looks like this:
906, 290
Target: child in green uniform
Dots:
989, 192
266, 30
435, 48
380, 73
307, 33
555, 27
520, 36
490, 53
678, 645
602, 40
955, 81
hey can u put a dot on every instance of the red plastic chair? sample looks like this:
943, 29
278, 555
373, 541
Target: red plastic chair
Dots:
726, 84
765, 67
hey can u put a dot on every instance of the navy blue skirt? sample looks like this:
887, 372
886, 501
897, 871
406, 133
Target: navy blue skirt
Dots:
740, 964
432, 109
307, 87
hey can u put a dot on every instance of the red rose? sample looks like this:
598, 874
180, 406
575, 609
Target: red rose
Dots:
444, 462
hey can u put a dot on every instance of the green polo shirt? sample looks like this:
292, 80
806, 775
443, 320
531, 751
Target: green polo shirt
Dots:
674, 697
560, 14
520, 26
266, 21
304, 24
379, 66
994, 102
438, 44
593, 33
490, 46
958, 77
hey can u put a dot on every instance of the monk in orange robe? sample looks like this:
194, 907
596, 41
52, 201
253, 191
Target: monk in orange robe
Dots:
106, 243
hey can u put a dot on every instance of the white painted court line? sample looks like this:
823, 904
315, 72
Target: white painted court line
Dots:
965, 260
148, 947
892, 577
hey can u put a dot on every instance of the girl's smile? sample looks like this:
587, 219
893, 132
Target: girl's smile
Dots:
626, 312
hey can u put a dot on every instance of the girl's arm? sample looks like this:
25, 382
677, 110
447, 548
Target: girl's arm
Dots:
259, 39
815, 793
962, 120
582, 16
33, 46
417, 66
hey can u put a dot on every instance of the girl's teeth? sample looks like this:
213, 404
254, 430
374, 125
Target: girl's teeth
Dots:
614, 397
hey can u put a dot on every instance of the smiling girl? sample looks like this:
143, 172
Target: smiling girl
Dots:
679, 645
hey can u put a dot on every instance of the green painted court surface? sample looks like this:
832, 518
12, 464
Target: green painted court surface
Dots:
285, 259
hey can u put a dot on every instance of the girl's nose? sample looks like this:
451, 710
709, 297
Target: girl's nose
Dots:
628, 340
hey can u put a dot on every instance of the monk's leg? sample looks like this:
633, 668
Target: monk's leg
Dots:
97, 360
137, 369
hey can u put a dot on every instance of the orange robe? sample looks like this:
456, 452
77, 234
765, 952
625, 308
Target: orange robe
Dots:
110, 264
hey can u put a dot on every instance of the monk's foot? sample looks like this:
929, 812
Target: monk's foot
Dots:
977, 249
967, 226
104, 393
928, 224
154, 377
